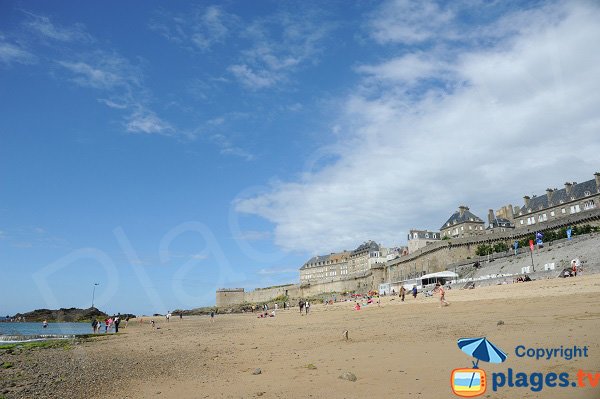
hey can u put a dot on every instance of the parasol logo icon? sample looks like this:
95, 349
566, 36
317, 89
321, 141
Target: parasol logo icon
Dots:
470, 382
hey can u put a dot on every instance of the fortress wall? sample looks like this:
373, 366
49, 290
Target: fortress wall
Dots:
228, 297
267, 294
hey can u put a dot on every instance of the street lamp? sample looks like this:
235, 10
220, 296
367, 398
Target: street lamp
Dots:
94, 293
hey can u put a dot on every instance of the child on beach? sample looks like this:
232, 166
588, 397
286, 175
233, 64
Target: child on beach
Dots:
438, 288
402, 293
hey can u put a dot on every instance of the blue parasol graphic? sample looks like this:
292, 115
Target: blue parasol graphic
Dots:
481, 349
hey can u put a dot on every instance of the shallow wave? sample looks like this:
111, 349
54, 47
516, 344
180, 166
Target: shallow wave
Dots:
12, 339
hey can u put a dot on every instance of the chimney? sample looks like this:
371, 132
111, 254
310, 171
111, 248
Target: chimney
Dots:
597, 176
568, 187
526, 198
490, 216
462, 209
510, 214
549, 193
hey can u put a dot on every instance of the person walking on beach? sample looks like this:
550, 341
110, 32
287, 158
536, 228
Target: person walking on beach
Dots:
414, 291
439, 289
212, 316
402, 293
307, 307
94, 325
126, 321
301, 306
116, 322
168, 316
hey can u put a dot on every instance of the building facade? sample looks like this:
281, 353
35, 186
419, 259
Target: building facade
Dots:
555, 204
325, 267
462, 223
365, 256
417, 239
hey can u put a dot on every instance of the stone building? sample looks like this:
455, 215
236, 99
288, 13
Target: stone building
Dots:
462, 223
325, 267
555, 204
365, 256
498, 223
417, 239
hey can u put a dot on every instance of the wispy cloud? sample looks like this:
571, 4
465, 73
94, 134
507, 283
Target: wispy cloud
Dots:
278, 45
42, 25
113, 104
13, 53
406, 161
102, 70
228, 148
410, 22
145, 121
202, 29
254, 79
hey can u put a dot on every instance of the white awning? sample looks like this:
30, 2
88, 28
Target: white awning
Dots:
444, 274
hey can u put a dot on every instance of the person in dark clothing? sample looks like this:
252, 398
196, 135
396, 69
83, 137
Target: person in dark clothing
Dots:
414, 291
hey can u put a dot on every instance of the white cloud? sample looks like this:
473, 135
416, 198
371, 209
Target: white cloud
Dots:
10, 53
101, 70
145, 121
202, 29
522, 115
409, 22
113, 104
251, 79
409, 68
43, 26
228, 148
279, 45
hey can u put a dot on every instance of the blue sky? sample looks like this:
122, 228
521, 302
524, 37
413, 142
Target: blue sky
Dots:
164, 150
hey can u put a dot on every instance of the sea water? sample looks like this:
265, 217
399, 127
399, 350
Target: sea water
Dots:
12, 332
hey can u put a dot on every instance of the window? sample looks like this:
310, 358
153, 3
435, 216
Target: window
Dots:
575, 208
589, 204
462, 228
470, 227
552, 213
563, 210
521, 221
426, 235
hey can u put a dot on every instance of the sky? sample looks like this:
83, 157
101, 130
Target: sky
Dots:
164, 149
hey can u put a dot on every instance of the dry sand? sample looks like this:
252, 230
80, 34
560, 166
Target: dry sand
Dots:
397, 350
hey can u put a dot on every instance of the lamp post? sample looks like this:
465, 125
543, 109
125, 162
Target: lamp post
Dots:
94, 293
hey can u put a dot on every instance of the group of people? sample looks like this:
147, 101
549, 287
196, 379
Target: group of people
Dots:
304, 306
109, 324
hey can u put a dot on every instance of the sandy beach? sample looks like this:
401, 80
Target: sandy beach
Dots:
399, 349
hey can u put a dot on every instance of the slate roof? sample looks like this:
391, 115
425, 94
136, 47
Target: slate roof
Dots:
501, 222
560, 197
367, 246
312, 262
457, 219
433, 235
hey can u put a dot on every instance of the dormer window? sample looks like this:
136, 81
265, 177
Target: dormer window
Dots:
587, 193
